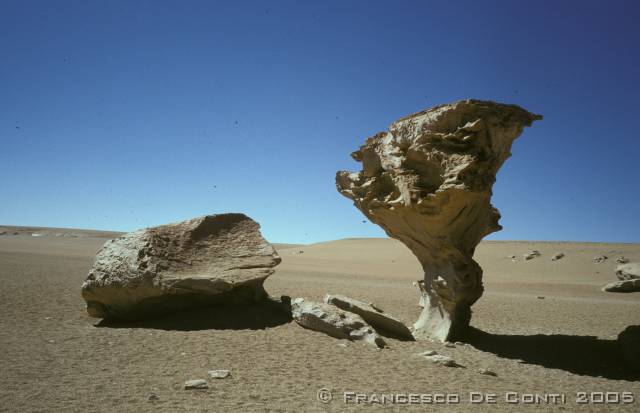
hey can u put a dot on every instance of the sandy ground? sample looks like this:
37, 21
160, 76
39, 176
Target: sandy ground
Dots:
55, 358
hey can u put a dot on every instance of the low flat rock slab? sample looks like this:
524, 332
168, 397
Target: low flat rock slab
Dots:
442, 360
196, 384
372, 315
219, 374
333, 321
624, 286
215, 259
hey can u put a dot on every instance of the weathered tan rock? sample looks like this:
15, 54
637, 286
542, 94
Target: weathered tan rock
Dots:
196, 384
599, 259
427, 182
531, 255
333, 321
442, 360
623, 286
630, 271
622, 260
380, 320
215, 259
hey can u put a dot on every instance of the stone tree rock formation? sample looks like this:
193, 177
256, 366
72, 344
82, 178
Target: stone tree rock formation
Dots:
215, 259
427, 182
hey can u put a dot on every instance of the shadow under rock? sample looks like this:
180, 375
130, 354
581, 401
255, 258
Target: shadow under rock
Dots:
583, 355
229, 317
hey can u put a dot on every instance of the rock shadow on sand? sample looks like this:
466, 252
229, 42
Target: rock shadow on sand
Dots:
230, 317
583, 355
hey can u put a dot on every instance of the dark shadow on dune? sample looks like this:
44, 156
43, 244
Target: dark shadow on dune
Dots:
231, 317
584, 355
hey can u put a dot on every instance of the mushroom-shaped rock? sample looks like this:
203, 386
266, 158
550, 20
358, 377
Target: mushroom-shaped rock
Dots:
427, 182
333, 321
215, 259
380, 320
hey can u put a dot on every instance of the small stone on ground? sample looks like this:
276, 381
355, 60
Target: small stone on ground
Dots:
219, 374
196, 384
442, 360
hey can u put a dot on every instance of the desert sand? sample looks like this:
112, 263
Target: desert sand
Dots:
56, 358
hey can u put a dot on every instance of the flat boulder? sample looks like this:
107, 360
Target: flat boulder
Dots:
334, 322
623, 286
380, 320
630, 271
214, 259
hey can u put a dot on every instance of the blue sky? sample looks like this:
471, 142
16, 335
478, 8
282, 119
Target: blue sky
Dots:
125, 114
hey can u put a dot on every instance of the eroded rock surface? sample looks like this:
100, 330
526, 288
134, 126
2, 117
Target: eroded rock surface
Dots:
215, 259
333, 321
531, 255
371, 314
629, 271
427, 182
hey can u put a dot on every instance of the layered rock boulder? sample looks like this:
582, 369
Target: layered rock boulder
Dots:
215, 259
630, 271
427, 182
335, 322
628, 279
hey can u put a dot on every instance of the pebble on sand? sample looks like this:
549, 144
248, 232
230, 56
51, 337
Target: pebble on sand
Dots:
219, 374
196, 384
442, 360
487, 372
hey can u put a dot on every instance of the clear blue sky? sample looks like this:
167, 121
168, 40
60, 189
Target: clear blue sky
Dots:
125, 114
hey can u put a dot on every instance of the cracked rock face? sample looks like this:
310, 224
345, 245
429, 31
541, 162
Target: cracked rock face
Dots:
371, 314
427, 182
334, 322
215, 259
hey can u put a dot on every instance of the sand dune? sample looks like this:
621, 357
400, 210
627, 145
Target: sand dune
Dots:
56, 358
